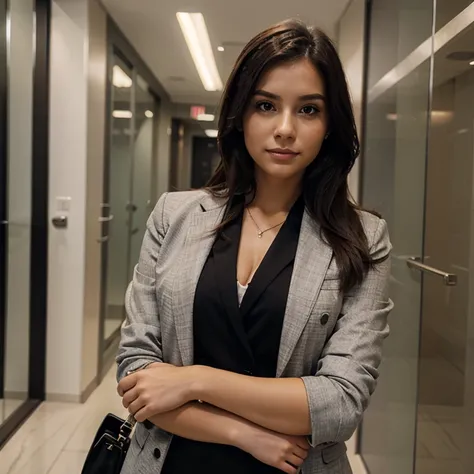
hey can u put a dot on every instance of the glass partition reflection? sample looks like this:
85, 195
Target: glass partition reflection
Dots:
17, 227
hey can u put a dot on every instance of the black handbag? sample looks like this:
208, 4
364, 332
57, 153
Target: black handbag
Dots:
109, 448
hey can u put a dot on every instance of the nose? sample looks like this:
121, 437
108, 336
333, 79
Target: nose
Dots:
285, 127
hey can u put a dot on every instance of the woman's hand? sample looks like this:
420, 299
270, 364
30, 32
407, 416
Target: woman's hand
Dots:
283, 452
159, 388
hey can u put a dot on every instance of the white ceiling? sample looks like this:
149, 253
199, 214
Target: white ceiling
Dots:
152, 28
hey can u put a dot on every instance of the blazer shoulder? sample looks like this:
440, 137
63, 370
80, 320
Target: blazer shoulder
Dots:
178, 204
376, 230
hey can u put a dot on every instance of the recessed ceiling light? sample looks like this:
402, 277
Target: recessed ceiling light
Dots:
206, 117
120, 78
196, 35
211, 133
122, 114
471, 63
148, 114
220, 48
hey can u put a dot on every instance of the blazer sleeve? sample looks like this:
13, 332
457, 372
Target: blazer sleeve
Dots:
140, 342
347, 371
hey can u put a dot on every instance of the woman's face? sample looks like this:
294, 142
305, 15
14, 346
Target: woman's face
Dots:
285, 122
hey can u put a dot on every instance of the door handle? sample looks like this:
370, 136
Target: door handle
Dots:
450, 279
135, 231
102, 240
106, 219
4, 222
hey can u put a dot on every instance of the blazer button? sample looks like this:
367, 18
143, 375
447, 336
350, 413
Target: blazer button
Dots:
324, 319
148, 424
157, 453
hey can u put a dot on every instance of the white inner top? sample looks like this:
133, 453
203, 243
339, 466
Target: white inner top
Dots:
241, 289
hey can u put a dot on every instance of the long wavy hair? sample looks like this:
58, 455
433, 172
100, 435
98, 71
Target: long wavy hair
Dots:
325, 190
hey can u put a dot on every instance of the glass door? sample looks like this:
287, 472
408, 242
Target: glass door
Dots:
419, 172
393, 183
128, 201
141, 192
16, 208
445, 422
117, 208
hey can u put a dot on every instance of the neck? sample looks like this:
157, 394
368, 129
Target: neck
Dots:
275, 195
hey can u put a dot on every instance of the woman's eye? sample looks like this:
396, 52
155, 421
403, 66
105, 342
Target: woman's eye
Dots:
309, 110
265, 106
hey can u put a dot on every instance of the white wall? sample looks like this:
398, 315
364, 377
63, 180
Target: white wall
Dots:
67, 177
351, 50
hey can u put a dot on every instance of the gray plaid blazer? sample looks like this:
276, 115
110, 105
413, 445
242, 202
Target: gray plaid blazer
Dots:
332, 341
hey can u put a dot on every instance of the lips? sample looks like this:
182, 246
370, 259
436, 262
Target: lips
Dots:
282, 153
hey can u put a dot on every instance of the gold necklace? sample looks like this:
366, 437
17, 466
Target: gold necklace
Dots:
260, 232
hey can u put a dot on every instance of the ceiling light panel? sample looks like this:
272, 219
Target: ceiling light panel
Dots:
196, 35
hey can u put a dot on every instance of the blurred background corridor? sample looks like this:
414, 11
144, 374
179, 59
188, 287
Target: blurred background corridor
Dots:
107, 104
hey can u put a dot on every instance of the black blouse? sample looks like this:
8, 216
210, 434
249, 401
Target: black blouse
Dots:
243, 339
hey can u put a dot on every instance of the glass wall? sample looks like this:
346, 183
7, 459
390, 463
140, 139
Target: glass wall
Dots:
128, 199
418, 172
21, 356
18, 185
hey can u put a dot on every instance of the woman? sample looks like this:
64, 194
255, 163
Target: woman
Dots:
259, 305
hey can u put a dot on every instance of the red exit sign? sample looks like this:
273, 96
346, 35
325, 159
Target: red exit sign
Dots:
197, 110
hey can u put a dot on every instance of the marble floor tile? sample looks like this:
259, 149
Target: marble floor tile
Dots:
69, 462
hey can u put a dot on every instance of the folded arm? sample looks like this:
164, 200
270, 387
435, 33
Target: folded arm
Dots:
276, 404
205, 423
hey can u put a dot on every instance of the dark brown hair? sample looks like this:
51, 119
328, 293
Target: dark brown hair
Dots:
325, 189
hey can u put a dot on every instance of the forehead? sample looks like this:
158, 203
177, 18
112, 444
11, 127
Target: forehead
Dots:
294, 78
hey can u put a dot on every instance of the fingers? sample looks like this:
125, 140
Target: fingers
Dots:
300, 453
288, 468
303, 443
129, 397
136, 406
126, 384
141, 415
294, 460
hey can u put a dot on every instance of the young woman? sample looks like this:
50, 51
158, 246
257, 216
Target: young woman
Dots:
259, 305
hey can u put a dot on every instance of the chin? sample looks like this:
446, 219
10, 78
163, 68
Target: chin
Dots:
281, 171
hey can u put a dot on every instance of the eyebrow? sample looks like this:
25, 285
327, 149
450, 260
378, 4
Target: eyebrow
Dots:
277, 97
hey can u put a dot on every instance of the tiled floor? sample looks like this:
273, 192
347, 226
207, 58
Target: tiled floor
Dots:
439, 441
111, 325
57, 436
7, 407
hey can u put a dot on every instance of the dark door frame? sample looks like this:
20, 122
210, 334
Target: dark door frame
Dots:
39, 218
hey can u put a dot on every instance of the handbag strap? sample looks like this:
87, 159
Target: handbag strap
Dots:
127, 428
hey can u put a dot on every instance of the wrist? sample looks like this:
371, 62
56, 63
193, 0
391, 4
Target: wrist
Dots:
240, 434
197, 382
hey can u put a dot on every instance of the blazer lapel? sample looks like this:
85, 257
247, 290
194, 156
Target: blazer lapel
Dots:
312, 260
198, 243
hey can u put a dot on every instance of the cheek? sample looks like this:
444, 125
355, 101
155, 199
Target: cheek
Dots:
312, 140
253, 133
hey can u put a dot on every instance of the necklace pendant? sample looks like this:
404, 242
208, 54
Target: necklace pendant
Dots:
260, 235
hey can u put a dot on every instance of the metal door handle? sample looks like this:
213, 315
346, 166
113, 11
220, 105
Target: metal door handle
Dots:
135, 231
4, 222
450, 279
106, 219
102, 240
